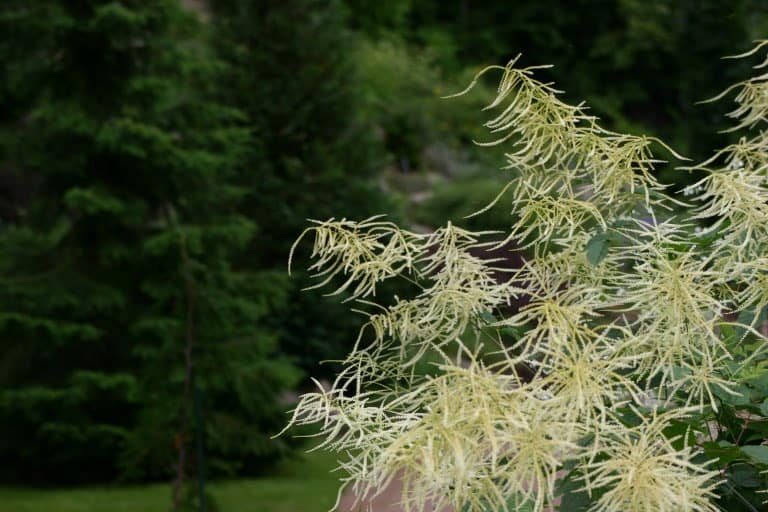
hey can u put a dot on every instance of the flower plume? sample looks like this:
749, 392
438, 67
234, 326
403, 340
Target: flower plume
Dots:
480, 388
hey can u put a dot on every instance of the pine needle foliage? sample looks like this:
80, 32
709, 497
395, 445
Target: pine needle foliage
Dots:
122, 156
638, 374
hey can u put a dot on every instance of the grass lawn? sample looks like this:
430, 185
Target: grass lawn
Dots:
303, 485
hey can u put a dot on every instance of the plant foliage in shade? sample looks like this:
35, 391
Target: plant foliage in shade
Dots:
122, 239
645, 381
632, 62
311, 151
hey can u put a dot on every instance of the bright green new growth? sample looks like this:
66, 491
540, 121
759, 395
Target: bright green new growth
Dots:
624, 318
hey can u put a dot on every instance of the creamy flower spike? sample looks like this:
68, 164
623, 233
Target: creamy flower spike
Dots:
481, 387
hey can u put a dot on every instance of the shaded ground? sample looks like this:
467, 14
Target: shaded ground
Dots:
386, 501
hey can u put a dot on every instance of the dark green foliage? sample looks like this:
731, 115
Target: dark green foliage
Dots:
376, 18
311, 153
122, 243
457, 201
310, 156
152, 180
734, 435
641, 65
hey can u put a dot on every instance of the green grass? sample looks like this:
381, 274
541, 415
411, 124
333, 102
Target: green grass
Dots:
302, 485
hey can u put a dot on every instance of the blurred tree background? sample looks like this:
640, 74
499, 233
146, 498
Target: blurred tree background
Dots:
157, 160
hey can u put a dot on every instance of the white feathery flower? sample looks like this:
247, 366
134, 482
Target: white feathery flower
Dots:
621, 301
643, 471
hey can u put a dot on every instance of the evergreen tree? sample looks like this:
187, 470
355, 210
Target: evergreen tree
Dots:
311, 154
124, 286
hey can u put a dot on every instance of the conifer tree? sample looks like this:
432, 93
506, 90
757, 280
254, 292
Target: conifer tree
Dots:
124, 284
310, 154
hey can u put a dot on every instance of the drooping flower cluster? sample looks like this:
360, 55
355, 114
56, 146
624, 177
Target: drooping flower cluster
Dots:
481, 387
642, 470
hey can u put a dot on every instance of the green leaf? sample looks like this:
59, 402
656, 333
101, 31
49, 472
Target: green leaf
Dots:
741, 398
749, 317
680, 434
729, 333
744, 475
764, 407
515, 332
723, 451
488, 317
574, 499
757, 453
756, 376
597, 248
518, 503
